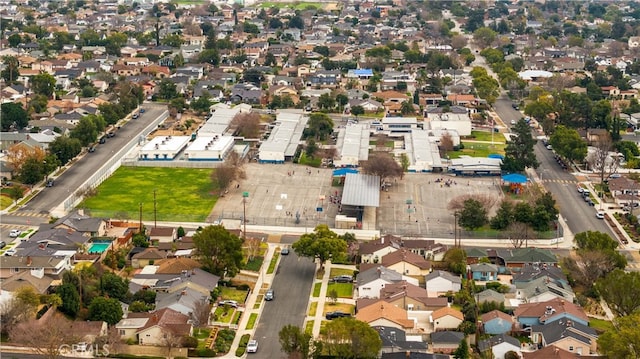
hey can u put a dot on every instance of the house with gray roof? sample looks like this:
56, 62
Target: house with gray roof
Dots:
370, 281
394, 339
183, 301
566, 334
47, 242
446, 341
440, 282
542, 290
489, 295
86, 225
499, 346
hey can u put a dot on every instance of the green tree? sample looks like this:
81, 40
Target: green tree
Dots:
13, 116
65, 148
407, 108
105, 309
10, 72
43, 84
381, 164
351, 338
357, 110
456, 260
319, 126
167, 90
462, 352
15, 192
294, 341
85, 131
210, 56
484, 37
32, 171
70, 299
173, 40
473, 215
296, 22
114, 286
219, 251
202, 104
519, 151
38, 104
326, 101
568, 143
322, 244
621, 290
504, 216
623, 340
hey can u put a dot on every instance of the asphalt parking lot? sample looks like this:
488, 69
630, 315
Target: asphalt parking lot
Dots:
278, 192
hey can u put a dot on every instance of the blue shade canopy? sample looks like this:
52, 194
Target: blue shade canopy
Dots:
496, 155
344, 171
515, 178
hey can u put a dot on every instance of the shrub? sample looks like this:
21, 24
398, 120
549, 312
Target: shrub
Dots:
244, 287
189, 342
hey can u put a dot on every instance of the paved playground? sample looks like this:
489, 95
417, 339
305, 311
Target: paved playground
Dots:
277, 193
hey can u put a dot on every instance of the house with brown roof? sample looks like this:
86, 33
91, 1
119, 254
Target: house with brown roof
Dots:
496, 322
410, 297
550, 352
407, 263
163, 234
529, 314
176, 265
385, 314
372, 251
446, 318
151, 328
147, 257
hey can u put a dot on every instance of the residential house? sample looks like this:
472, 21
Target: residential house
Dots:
147, 257
89, 330
36, 271
152, 328
407, 263
484, 272
410, 297
369, 105
372, 251
566, 334
446, 318
513, 259
446, 341
489, 295
184, 301
371, 280
394, 339
324, 78
496, 322
86, 225
246, 93
47, 242
426, 248
171, 282
530, 314
440, 282
163, 234
385, 314
534, 271
499, 346
550, 352
542, 290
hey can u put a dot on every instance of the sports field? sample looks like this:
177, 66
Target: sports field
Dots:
181, 194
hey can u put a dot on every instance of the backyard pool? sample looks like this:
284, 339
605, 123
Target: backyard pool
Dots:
99, 247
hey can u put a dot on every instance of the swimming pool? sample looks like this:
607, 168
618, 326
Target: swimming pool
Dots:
99, 247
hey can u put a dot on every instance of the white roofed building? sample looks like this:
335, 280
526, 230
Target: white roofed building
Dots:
394, 125
423, 152
460, 122
209, 148
219, 121
284, 139
353, 145
163, 148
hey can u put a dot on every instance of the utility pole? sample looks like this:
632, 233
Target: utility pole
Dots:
245, 195
140, 217
155, 210
455, 229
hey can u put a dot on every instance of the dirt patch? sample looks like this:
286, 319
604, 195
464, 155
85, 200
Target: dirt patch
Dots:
188, 123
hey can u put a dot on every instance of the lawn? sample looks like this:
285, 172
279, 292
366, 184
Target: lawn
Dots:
254, 265
600, 325
223, 314
5, 201
252, 321
294, 6
274, 261
316, 289
486, 136
475, 149
181, 194
308, 327
230, 293
342, 307
340, 271
345, 290
313, 308
258, 302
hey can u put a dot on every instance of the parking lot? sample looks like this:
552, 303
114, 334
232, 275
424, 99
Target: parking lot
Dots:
278, 192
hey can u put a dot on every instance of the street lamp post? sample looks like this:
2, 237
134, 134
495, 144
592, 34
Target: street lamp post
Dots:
455, 229
245, 195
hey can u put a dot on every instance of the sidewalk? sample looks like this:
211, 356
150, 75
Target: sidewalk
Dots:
322, 299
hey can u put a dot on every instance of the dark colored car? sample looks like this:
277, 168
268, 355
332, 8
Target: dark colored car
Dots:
2, 244
103, 139
50, 183
336, 314
92, 149
343, 279
142, 110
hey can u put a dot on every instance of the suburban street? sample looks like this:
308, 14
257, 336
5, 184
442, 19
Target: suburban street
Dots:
292, 289
562, 184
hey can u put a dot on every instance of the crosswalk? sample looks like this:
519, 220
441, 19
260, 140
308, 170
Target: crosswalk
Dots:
561, 181
14, 226
29, 214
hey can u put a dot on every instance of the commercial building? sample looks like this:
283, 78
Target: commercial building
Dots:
285, 138
209, 148
163, 148
422, 150
352, 145
459, 122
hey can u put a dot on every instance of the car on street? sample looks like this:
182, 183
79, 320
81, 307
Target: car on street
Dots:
549, 147
615, 175
92, 149
343, 279
142, 110
102, 139
3, 244
111, 134
336, 314
600, 215
231, 303
269, 295
14, 233
135, 116
10, 252
284, 251
252, 346
50, 183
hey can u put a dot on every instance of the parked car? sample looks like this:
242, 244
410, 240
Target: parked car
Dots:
269, 295
336, 314
600, 215
231, 303
142, 110
343, 279
14, 233
252, 346
3, 244
111, 134
50, 183
102, 139
92, 149
10, 252
284, 251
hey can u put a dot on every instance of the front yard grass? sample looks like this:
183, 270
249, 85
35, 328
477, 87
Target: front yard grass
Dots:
254, 264
344, 290
600, 325
342, 307
316, 289
308, 327
223, 314
340, 271
182, 194
231, 293
313, 307
252, 320
274, 261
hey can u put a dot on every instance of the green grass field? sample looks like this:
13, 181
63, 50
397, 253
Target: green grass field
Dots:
230, 293
344, 290
475, 149
312, 308
252, 320
316, 289
182, 194
340, 271
486, 136
600, 325
272, 264
293, 5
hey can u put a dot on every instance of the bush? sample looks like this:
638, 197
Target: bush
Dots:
244, 287
206, 352
189, 342
240, 351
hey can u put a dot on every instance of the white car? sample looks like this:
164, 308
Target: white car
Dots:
600, 215
252, 346
14, 233
10, 252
